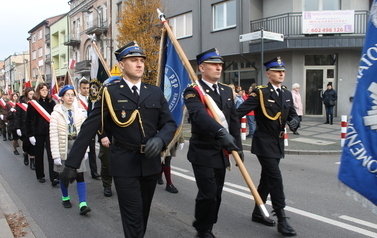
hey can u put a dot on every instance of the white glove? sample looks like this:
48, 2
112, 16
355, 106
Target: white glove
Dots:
12, 109
86, 156
19, 132
181, 145
32, 140
2, 117
58, 161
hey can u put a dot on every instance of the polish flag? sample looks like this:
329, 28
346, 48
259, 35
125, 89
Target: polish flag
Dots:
72, 64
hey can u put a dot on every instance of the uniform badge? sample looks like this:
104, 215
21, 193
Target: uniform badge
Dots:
207, 91
123, 114
121, 86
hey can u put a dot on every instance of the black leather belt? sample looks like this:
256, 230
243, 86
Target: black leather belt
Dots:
279, 134
205, 138
128, 146
71, 137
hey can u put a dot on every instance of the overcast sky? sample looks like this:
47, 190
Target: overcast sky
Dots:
17, 17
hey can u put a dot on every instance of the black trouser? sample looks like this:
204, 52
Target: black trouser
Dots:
210, 182
92, 156
43, 142
271, 182
26, 145
135, 197
104, 156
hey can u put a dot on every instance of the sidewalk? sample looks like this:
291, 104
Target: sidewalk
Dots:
315, 137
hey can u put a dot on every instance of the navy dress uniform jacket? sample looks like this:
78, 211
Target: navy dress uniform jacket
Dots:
268, 138
204, 149
156, 120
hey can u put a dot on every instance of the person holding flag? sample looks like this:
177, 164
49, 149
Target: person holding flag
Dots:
210, 142
273, 107
138, 116
359, 157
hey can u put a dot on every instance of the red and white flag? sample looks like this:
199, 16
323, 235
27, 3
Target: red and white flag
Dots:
71, 64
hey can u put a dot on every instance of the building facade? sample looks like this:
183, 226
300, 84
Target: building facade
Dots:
312, 59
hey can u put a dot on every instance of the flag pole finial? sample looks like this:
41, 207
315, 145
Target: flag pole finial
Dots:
161, 15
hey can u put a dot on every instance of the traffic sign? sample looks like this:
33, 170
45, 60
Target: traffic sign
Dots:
257, 35
250, 36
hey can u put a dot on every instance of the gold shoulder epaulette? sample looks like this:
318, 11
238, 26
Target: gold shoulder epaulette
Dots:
262, 86
223, 84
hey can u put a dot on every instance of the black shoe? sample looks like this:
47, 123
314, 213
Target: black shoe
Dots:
67, 204
296, 133
16, 152
84, 210
32, 163
10, 138
171, 189
326, 122
160, 181
55, 182
4, 139
283, 226
26, 159
205, 234
107, 192
95, 175
261, 219
42, 180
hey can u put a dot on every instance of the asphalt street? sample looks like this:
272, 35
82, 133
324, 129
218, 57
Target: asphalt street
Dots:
315, 204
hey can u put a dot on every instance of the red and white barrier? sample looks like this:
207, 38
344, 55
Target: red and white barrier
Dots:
243, 128
343, 130
285, 136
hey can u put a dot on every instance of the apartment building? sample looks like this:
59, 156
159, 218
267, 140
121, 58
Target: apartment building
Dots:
312, 58
40, 49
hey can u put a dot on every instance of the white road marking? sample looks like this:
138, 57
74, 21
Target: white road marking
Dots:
291, 209
358, 221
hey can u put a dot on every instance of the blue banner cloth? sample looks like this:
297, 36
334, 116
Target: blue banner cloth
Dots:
174, 81
358, 168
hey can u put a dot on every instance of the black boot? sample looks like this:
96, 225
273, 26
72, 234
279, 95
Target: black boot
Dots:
331, 121
26, 159
258, 217
283, 227
32, 163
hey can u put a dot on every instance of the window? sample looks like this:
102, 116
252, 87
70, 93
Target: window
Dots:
224, 15
34, 55
39, 34
40, 52
182, 25
321, 5
33, 38
119, 11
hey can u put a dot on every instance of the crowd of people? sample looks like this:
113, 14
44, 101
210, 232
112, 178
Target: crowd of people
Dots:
134, 126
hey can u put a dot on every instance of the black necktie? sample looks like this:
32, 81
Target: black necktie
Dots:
134, 88
214, 86
280, 94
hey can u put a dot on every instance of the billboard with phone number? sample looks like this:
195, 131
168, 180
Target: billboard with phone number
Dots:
328, 22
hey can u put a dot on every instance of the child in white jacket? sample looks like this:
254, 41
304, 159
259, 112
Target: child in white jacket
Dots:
65, 123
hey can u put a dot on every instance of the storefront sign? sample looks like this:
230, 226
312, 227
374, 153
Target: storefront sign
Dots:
328, 22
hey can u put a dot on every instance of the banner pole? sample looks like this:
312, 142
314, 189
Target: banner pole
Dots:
194, 78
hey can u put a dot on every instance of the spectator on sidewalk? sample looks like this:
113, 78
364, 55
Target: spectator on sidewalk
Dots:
297, 103
329, 98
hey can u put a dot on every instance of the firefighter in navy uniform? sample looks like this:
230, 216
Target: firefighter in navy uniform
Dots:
273, 107
209, 139
141, 124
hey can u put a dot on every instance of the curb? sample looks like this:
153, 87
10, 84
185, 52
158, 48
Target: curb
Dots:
5, 231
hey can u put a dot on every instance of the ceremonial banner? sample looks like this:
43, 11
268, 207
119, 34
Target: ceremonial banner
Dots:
358, 168
98, 75
174, 79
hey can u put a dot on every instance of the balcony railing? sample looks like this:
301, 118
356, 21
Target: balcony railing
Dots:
72, 40
97, 27
290, 24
